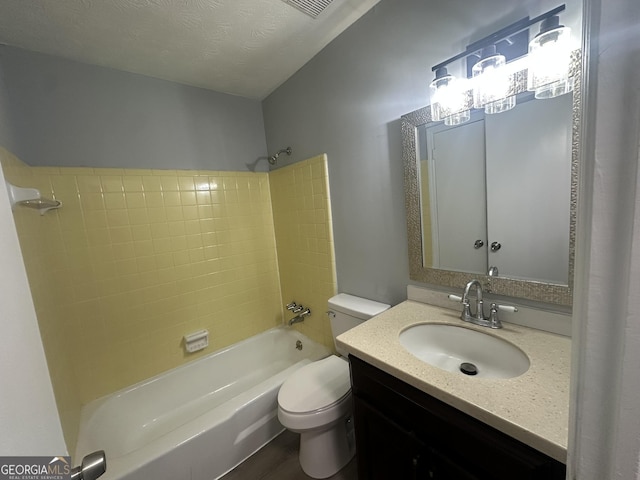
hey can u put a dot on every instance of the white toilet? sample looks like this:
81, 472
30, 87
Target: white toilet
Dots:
315, 401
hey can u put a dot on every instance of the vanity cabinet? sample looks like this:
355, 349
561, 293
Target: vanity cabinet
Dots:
403, 433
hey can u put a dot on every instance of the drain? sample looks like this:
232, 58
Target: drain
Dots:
468, 368
299, 345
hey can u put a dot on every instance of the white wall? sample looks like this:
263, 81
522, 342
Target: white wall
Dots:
605, 429
29, 422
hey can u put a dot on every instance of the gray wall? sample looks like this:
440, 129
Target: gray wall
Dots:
63, 113
347, 102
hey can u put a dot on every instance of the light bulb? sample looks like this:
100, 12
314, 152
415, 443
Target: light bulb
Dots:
549, 60
448, 99
492, 83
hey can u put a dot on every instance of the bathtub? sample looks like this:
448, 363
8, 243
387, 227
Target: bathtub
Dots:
199, 420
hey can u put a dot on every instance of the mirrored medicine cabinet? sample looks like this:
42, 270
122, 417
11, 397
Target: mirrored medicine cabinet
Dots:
495, 198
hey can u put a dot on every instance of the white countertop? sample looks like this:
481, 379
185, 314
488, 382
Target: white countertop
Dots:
533, 408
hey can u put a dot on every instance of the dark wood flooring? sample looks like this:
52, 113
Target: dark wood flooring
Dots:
278, 460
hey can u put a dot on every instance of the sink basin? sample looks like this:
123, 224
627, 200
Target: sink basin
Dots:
465, 351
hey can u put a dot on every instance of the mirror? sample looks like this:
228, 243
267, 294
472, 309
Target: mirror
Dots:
496, 194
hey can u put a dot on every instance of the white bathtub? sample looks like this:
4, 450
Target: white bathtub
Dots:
200, 420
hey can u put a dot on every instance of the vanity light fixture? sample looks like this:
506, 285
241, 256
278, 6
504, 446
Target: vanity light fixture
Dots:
549, 60
457, 118
448, 99
506, 64
492, 83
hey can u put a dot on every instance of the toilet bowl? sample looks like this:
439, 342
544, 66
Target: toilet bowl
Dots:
315, 401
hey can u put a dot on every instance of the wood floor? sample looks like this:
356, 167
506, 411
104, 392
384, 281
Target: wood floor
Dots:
278, 460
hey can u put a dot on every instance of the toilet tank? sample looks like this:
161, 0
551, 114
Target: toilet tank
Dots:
348, 311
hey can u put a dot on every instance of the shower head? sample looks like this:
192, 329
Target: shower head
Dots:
274, 158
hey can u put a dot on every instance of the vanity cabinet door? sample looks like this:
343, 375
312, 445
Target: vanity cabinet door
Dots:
441, 467
405, 434
385, 449
388, 451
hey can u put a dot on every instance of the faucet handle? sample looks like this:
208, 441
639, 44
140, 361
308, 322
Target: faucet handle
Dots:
494, 321
505, 308
291, 306
466, 307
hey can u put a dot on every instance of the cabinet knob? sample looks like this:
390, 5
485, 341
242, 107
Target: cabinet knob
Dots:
478, 244
495, 246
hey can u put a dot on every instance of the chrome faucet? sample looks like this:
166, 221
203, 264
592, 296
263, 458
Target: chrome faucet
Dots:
466, 308
492, 321
300, 316
93, 465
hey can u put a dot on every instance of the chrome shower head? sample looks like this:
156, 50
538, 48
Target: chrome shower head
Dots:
273, 159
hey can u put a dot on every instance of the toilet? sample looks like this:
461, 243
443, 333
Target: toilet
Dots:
315, 401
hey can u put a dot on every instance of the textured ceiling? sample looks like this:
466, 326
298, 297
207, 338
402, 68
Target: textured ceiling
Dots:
242, 47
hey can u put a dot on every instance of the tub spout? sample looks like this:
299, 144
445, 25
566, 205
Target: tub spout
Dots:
300, 317
93, 465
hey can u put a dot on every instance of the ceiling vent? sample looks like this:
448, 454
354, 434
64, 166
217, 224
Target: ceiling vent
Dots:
313, 8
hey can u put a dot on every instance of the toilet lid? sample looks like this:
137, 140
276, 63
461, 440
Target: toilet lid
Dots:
315, 386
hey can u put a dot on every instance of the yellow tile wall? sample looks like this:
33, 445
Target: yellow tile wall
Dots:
41, 258
135, 259
304, 239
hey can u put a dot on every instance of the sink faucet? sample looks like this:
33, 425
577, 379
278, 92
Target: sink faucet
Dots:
466, 308
492, 321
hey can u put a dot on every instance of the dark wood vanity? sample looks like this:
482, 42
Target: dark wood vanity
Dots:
404, 433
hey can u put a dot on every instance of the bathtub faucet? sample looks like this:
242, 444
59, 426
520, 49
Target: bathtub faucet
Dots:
93, 465
300, 317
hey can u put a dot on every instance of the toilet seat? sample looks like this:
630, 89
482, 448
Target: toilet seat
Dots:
315, 395
316, 386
